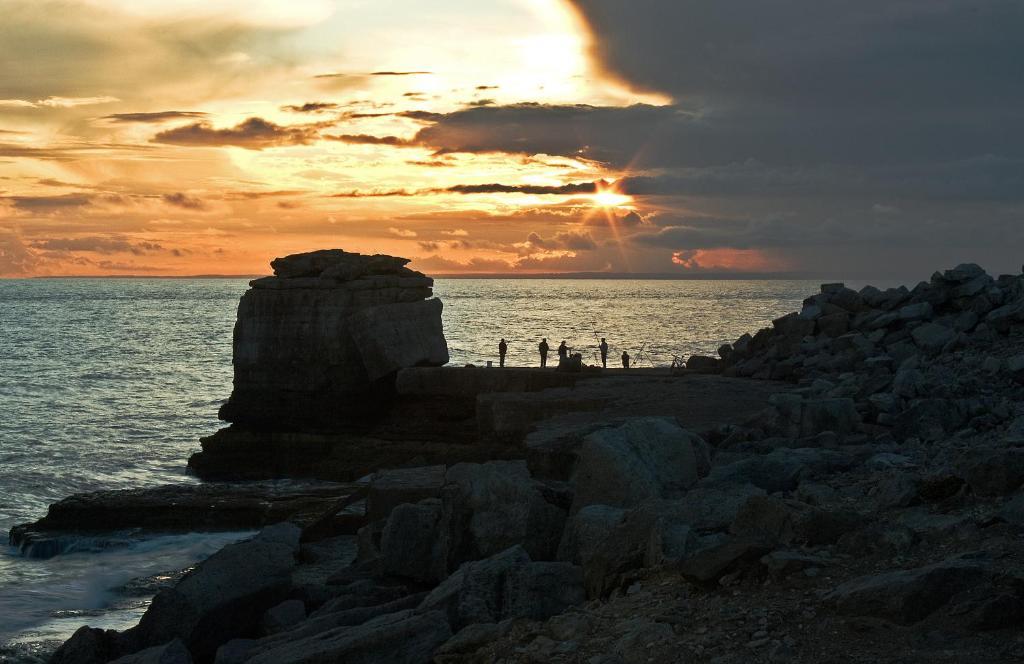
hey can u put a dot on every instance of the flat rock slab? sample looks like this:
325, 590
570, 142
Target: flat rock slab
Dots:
178, 508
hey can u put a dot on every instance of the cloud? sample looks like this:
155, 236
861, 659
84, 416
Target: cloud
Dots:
184, 201
494, 188
72, 102
312, 107
16, 258
48, 203
252, 134
607, 134
153, 117
366, 139
628, 220
97, 244
402, 232
399, 73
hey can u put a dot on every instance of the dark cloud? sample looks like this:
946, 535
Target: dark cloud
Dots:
431, 163
399, 73
252, 134
154, 117
48, 203
312, 107
184, 201
366, 139
495, 188
98, 245
487, 87
629, 220
608, 134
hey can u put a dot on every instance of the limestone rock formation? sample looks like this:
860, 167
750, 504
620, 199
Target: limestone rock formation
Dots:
319, 342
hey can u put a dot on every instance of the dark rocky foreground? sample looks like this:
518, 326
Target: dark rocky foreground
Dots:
850, 490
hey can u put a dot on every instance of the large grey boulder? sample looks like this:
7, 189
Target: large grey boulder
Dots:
933, 337
649, 457
608, 542
506, 585
780, 470
487, 508
393, 336
409, 545
405, 637
224, 596
908, 596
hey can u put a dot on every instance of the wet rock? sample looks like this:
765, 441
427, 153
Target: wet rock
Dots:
644, 458
172, 508
89, 645
908, 596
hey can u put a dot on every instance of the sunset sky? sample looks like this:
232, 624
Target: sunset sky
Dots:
174, 137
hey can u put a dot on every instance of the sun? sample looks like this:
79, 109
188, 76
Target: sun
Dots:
610, 199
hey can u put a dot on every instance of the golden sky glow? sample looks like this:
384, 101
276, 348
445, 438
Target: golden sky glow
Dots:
173, 137
198, 137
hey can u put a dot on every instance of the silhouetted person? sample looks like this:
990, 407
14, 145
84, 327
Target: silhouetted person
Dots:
625, 360
543, 348
502, 350
604, 353
563, 350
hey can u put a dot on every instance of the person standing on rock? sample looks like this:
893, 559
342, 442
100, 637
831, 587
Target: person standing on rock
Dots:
625, 360
563, 350
604, 353
543, 348
502, 350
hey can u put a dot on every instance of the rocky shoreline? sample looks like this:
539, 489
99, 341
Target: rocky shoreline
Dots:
844, 486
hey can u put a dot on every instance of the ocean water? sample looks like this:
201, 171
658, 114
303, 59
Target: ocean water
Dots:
109, 383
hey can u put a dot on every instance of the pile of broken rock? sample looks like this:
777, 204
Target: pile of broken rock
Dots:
873, 514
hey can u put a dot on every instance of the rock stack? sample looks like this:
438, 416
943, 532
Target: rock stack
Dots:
319, 343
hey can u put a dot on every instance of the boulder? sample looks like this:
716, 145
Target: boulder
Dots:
907, 596
775, 521
409, 545
406, 637
781, 470
933, 337
392, 487
644, 458
506, 585
704, 364
283, 616
224, 596
997, 473
839, 416
916, 312
390, 337
487, 508
173, 652
709, 564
